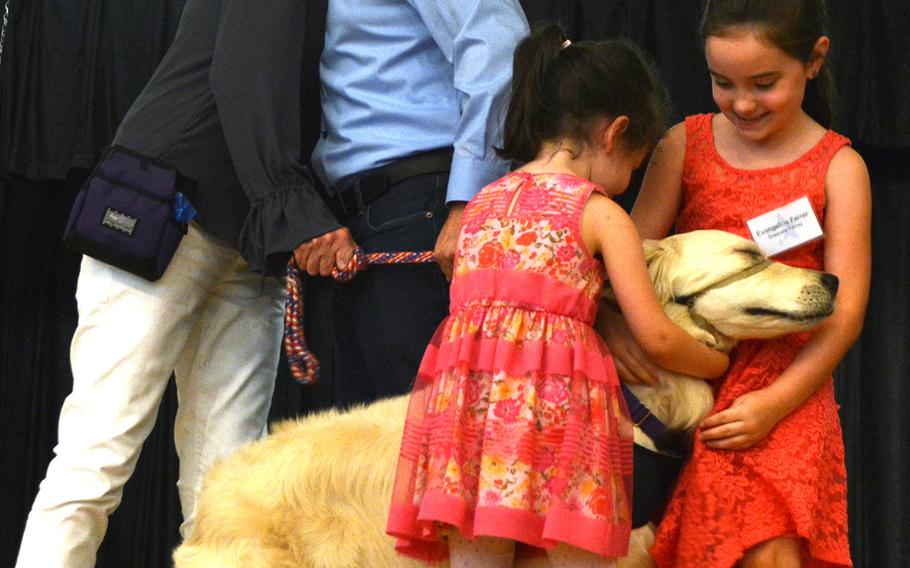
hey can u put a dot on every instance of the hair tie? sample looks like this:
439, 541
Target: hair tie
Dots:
565, 44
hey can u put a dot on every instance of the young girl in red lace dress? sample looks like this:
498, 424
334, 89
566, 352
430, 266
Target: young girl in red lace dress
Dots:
766, 484
517, 430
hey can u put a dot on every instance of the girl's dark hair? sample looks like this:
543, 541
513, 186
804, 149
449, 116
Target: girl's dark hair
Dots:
794, 26
559, 91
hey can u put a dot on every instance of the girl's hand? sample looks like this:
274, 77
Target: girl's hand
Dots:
632, 365
744, 424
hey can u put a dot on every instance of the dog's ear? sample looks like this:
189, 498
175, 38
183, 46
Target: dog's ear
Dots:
652, 249
657, 256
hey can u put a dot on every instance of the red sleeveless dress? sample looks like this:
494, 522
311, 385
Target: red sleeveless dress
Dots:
792, 483
516, 426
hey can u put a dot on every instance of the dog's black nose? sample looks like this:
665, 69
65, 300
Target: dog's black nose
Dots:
830, 282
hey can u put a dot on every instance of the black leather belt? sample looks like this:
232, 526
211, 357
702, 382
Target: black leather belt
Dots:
374, 184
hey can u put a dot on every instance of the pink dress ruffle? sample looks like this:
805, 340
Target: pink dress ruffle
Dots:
516, 426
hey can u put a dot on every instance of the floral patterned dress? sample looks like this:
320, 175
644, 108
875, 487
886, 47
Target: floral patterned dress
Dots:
516, 426
792, 483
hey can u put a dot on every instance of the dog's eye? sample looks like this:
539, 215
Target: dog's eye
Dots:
751, 253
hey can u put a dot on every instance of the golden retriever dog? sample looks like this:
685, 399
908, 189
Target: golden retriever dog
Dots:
720, 288
315, 492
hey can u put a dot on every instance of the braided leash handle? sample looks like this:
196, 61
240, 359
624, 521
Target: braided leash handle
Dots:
303, 364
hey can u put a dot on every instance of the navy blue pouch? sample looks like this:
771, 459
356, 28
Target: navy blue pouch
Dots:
654, 476
126, 213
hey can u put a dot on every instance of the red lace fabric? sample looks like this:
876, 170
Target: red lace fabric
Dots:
792, 483
516, 426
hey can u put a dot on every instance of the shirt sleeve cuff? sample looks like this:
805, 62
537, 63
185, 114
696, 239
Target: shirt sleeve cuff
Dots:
278, 223
470, 175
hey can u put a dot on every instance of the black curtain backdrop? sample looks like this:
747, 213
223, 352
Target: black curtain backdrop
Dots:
70, 70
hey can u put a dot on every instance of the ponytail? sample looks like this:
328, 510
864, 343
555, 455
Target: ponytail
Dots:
531, 64
560, 88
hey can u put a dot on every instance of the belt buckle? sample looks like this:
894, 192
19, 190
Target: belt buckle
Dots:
350, 200
370, 188
361, 193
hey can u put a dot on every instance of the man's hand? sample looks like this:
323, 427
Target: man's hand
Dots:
319, 255
448, 237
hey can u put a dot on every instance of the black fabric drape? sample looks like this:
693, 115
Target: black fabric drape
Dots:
872, 380
870, 59
37, 318
71, 69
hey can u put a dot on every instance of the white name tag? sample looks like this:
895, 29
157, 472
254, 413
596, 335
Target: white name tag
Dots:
786, 227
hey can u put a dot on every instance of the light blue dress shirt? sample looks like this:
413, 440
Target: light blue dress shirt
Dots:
400, 77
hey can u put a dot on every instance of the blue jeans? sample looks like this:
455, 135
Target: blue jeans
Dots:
386, 315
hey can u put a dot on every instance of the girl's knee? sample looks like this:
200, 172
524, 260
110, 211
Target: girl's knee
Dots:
775, 553
480, 551
565, 556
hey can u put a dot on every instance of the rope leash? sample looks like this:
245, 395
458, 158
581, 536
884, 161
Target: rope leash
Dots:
303, 364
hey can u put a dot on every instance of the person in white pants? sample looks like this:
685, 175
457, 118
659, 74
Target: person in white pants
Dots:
210, 320
234, 107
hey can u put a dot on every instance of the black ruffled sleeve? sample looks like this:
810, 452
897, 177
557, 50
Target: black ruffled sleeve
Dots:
278, 222
260, 60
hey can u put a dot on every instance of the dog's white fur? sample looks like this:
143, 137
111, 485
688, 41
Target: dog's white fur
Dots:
315, 492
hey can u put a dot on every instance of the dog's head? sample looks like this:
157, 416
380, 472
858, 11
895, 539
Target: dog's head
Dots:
725, 281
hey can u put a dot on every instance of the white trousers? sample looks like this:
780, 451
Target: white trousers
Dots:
209, 320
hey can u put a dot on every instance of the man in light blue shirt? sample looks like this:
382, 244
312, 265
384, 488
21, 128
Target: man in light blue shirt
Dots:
413, 95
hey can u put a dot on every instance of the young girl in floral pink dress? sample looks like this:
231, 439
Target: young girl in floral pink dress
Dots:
517, 431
